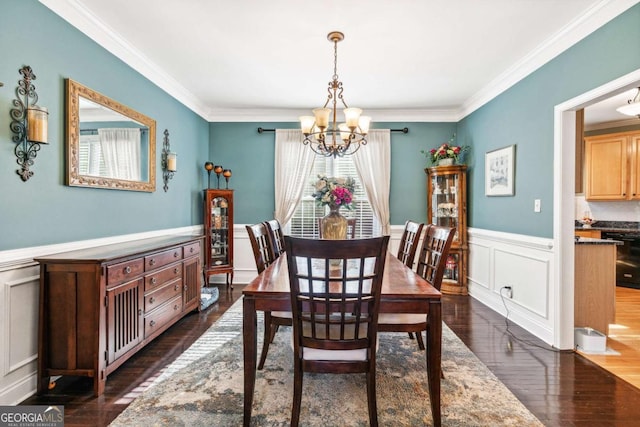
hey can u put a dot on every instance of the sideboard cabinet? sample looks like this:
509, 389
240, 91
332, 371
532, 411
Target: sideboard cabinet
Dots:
447, 206
218, 229
99, 306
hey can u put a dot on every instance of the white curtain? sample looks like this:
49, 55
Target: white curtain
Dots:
373, 163
293, 164
121, 152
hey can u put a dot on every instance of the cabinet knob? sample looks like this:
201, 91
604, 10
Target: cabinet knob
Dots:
127, 269
152, 261
184, 287
151, 300
191, 250
139, 312
154, 280
176, 270
175, 254
175, 307
152, 323
176, 287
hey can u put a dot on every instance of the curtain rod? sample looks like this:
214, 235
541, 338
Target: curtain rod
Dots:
403, 130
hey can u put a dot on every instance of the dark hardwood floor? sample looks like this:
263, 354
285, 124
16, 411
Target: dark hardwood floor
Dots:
560, 388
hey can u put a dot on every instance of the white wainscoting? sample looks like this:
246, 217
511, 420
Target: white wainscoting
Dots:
526, 264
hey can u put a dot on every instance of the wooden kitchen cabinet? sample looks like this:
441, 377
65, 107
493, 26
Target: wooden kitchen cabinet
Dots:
612, 166
447, 206
218, 229
99, 306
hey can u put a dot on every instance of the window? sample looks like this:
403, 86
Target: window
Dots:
304, 222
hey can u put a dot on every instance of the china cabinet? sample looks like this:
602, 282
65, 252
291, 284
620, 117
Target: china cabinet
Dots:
99, 306
447, 206
612, 166
218, 226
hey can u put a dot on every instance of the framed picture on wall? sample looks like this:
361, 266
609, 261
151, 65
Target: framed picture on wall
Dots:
499, 171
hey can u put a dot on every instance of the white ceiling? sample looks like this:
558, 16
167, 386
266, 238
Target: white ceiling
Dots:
257, 60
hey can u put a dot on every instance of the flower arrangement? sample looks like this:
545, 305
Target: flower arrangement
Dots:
446, 151
334, 192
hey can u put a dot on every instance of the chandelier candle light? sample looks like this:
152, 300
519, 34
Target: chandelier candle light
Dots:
322, 132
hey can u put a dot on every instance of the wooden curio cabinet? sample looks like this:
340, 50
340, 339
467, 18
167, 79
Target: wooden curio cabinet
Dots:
447, 206
218, 230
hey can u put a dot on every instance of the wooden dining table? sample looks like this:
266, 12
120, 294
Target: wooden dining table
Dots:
403, 291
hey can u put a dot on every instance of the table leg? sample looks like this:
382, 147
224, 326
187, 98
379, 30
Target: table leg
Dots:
434, 358
250, 343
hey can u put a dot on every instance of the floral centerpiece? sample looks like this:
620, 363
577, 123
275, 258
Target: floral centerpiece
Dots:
334, 192
447, 150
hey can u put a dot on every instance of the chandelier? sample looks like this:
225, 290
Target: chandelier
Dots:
322, 132
633, 106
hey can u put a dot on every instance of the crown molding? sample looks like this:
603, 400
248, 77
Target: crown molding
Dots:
78, 16
572, 33
291, 115
89, 24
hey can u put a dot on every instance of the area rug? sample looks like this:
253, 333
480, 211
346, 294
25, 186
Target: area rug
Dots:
204, 387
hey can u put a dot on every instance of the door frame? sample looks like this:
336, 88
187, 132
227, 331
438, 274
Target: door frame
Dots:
564, 200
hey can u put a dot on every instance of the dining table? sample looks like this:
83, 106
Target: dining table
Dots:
403, 291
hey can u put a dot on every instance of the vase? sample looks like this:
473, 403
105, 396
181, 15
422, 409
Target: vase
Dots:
446, 162
334, 225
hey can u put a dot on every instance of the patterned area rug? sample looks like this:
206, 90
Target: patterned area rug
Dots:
204, 387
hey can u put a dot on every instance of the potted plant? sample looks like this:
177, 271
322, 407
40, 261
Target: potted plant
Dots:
446, 154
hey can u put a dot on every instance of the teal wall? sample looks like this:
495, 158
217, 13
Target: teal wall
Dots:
250, 156
43, 210
524, 115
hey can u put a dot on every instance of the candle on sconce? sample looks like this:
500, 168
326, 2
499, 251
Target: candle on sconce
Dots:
37, 124
172, 162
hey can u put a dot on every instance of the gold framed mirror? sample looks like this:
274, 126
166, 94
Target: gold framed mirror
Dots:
109, 145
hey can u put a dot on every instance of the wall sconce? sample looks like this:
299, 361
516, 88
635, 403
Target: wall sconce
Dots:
29, 123
169, 161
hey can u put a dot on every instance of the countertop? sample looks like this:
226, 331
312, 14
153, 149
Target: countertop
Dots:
592, 241
615, 226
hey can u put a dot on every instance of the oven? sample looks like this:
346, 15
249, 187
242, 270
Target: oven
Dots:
628, 259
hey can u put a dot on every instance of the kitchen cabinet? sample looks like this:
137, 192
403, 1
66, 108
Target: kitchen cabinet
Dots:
218, 226
612, 166
447, 206
99, 306
595, 234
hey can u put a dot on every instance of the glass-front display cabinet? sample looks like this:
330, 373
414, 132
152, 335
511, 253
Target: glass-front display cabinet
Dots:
447, 206
218, 228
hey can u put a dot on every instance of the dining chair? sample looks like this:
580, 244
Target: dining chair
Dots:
263, 253
431, 264
409, 242
335, 298
351, 228
277, 236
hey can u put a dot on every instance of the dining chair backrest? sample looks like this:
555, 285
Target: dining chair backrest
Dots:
433, 253
409, 242
260, 239
351, 228
335, 295
277, 236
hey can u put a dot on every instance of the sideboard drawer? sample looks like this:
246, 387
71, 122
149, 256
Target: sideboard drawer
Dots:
161, 295
160, 259
192, 249
156, 319
161, 277
124, 271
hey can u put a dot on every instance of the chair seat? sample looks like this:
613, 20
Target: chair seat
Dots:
401, 319
283, 314
309, 353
